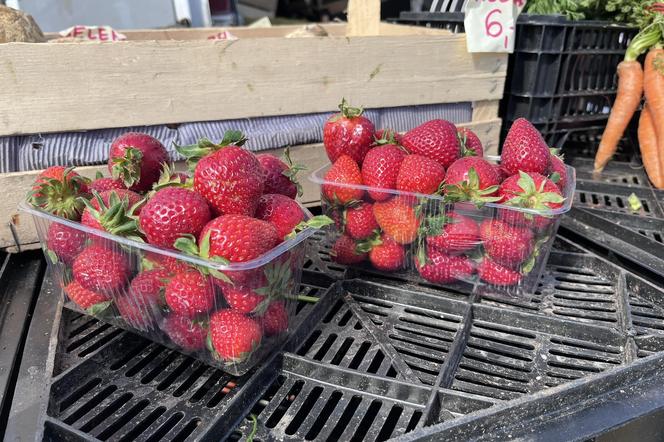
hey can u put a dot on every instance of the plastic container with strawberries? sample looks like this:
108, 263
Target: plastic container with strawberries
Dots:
427, 206
208, 263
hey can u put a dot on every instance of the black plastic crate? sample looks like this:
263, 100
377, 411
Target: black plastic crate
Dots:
561, 72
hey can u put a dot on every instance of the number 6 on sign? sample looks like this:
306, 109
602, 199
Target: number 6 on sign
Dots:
490, 24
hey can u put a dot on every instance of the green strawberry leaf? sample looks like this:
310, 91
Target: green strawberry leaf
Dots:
526, 183
99, 175
128, 167
348, 111
555, 177
99, 308
528, 266
52, 256
187, 244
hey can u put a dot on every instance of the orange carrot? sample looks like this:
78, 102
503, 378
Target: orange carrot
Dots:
650, 153
653, 85
630, 91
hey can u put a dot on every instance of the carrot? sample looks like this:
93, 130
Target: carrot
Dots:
650, 153
630, 91
653, 79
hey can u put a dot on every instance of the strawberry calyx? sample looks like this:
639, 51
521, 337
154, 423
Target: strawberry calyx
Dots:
533, 198
347, 111
116, 218
366, 245
279, 277
99, 308
170, 178
60, 197
388, 137
315, 222
463, 143
186, 243
127, 168
293, 170
194, 152
469, 190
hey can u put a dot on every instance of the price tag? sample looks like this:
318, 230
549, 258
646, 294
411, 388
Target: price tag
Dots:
491, 24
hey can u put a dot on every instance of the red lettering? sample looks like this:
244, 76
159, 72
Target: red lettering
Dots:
103, 36
78, 30
493, 28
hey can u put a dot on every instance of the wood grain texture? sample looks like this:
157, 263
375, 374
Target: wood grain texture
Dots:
363, 18
18, 184
95, 86
485, 110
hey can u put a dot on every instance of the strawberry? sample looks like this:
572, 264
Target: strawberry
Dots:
102, 184
189, 294
93, 302
420, 174
348, 133
435, 139
530, 191
470, 143
168, 263
148, 284
380, 170
136, 312
186, 333
171, 213
64, 242
238, 238
387, 134
275, 319
242, 299
346, 172
280, 177
398, 220
387, 255
472, 179
58, 190
441, 268
101, 270
360, 222
136, 159
559, 172
281, 211
452, 233
500, 172
113, 211
346, 251
506, 244
524, 150
233, 336
496, 274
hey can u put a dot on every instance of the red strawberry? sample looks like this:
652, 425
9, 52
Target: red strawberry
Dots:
506, 244
453, 233
440, 268
189, 294
470, 143
280, 177
500, 172
275, 319
171, 213
420, 174
112, 211
242, 299
136, 312
86, 299
65, 242
525, 150
58, 190
558, 167
101, 270
344, 171
530, 191
147, 285
239, 238
397, 219
233, 336
380, 170
186, 333
348, 133
471, 179
387, 255
435, 139
388, 134
168, 263
281, 211
231, 180
136, 159
360, 222
345, 251
493, 273
102, 184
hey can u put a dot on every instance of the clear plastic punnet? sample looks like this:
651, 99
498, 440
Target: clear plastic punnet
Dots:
134, 282
489, 248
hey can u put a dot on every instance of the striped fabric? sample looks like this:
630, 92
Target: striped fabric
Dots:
32, 152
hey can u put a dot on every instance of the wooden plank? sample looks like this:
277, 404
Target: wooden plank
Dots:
393, 29
488, 132
485, 110
158, 82
363, 18
16, 186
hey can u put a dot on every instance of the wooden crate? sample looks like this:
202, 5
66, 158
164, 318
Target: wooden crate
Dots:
177, 76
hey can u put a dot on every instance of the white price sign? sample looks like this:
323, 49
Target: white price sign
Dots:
491, 24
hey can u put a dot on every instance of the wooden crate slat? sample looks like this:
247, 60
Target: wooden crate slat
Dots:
95, 86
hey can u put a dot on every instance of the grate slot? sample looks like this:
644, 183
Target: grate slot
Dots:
79, 393
277, 409
144, 359
106, 412
165, 427
143, 424
160, 365
390, 423
324, 415
90, 405
185, 364
187, 430
359, 355
126, 357
208, 385
367, 420
349, 407
123, 420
